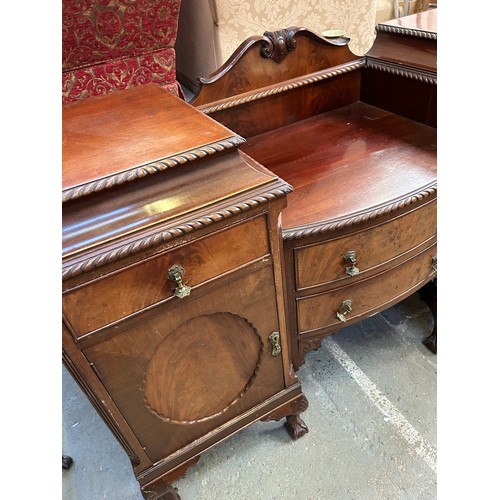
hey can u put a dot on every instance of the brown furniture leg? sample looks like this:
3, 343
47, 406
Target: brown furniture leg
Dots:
428, 294
294, 424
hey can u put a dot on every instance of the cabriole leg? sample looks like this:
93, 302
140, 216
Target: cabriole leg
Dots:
294, 424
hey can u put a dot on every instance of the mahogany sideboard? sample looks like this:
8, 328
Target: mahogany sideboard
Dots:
174, 319
356, 139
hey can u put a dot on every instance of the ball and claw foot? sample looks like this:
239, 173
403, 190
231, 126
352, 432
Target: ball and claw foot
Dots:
295, 426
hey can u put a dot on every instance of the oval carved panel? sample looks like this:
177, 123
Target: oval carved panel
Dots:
202, 368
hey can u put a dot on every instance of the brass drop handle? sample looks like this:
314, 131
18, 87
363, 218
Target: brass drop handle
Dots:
350, 257
345, 308
274, 338
435, 263
176, 273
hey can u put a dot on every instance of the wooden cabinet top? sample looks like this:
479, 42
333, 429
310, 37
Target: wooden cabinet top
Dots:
346, 164
409, 41
142, 167
421, 22
118, 137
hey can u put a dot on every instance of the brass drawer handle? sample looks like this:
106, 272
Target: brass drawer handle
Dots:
345, 308
350, 257
435, 263
274, 338
176, 273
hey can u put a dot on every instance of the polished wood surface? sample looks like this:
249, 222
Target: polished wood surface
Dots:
369, 296
347, 161
147, 185
138, 286
173, 362
357, 141
129, 213
409, 40
221, 336
253, 93
130, 357
425, 21
154, 125
376, 248
401, 68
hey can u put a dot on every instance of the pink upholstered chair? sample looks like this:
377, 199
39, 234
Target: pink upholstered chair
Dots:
110, 45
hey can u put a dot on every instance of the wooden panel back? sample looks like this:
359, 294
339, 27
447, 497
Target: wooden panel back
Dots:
265, 85
411, 98
247, 69
256, 117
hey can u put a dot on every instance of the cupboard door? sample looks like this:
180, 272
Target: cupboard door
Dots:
182, 368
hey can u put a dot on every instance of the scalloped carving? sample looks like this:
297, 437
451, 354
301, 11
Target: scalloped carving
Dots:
152, 168
279, 88
174, 232
186, 378
358, 218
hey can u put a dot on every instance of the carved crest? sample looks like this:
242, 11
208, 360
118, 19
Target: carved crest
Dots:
279, 44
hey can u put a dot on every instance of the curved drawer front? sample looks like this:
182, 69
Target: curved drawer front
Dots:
122, 293
329, 261
364, 297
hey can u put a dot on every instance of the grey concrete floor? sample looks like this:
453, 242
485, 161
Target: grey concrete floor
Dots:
371, 418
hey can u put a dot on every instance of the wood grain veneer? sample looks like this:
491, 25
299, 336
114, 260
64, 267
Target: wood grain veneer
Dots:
357, 141
377, 248
141, 285
369, 296
174, 362
346, 161
90, 136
